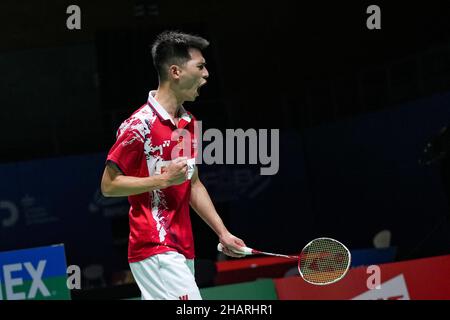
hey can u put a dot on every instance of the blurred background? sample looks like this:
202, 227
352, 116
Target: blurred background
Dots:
362, 117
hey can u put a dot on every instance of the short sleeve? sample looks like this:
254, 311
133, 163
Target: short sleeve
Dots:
127, 152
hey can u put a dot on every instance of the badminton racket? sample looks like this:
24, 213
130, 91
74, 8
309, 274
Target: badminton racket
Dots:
322, 261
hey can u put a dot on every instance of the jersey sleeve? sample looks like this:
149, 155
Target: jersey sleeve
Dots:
127, 151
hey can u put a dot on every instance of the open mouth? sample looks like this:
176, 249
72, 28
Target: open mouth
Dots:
199, 87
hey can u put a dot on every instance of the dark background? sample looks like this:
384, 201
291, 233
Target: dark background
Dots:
355, 108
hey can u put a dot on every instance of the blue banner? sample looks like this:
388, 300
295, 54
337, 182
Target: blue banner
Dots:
37, 273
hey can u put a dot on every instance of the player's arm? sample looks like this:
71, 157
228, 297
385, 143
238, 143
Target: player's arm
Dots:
116, 184
201, 202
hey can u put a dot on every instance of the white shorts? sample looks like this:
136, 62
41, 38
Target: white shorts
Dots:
166, 276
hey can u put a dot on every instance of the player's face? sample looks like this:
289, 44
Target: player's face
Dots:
193, 76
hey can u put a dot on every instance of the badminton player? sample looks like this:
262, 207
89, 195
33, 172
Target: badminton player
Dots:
160, 188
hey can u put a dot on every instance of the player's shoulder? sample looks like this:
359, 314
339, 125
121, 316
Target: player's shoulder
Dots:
145, 112
139, 120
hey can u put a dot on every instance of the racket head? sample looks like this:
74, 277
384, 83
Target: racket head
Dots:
324, 261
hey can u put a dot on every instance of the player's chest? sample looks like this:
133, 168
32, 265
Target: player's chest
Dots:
165, 140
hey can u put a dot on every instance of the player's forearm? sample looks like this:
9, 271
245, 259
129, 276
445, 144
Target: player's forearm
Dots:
122, 186
202, 204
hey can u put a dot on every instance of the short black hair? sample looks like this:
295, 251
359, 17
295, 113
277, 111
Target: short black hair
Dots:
172, 47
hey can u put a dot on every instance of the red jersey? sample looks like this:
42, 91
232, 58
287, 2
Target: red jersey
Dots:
159, 220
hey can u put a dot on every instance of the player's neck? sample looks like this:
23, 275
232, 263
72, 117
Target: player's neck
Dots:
168, 100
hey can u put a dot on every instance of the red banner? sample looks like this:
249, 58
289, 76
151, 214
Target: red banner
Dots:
421, 279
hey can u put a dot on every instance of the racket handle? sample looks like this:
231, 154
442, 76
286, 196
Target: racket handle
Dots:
244, 250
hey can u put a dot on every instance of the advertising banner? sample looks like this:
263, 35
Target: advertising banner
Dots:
420, 279
34, 274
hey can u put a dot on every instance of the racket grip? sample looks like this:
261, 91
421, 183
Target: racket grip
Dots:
244, 250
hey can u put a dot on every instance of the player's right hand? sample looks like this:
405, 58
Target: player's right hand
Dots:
175, 172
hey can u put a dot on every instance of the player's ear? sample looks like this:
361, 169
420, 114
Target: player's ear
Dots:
174, 71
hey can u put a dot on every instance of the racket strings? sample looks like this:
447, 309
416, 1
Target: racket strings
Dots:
324, 261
